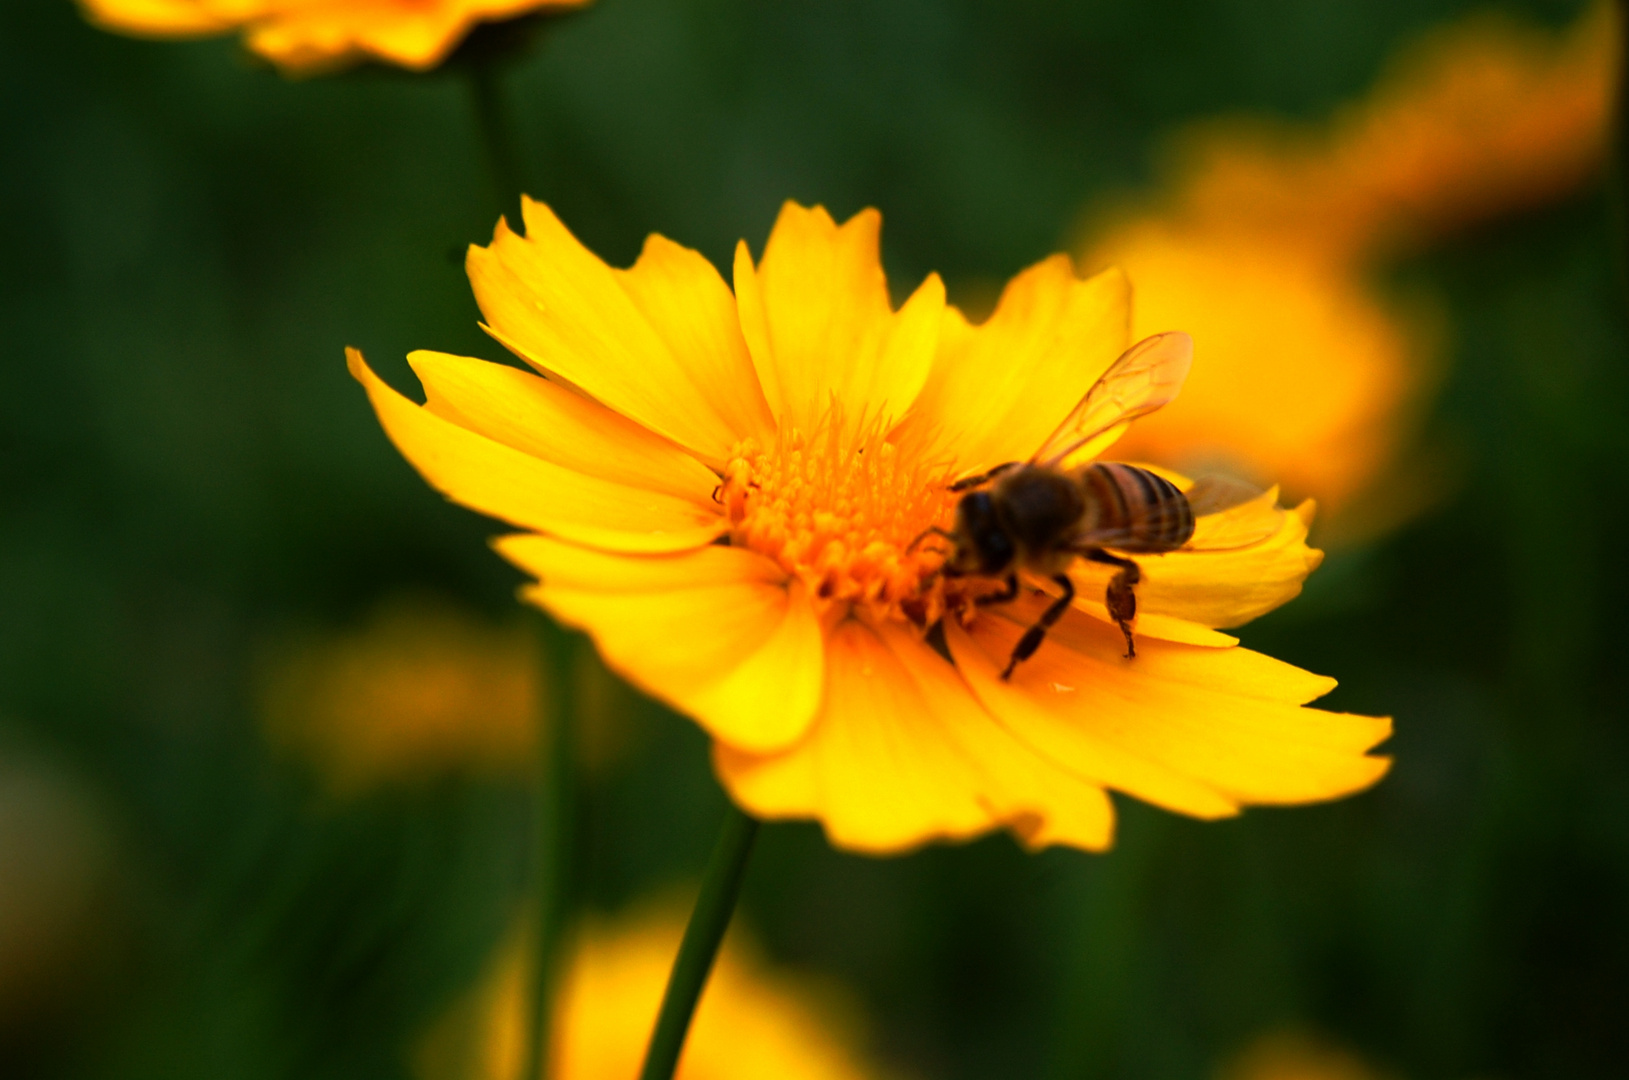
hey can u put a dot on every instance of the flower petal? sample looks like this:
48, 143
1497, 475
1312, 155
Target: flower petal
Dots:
716, 632
659, 343
1196, 730
997, 390
683, 296
306, 39
499, 480
548, 421
573, 567
820, 327
1149, 623
902, 754
157, 18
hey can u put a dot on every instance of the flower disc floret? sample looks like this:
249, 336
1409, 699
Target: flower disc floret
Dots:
840, 510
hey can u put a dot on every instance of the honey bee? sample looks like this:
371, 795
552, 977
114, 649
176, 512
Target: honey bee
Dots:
1038, 516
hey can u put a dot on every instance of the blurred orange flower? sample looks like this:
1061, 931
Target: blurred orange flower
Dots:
419, 690
1301, 374
60, 891
1295, 1056
305, 37
751, 1024
724, 489
1267, 235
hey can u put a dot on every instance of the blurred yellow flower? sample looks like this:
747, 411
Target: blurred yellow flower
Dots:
1295, 1056
723, 490
750, 1024
419, 690
1300, 373
1264, 243
305, 37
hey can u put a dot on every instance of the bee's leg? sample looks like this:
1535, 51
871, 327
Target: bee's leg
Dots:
1002, 597
1034, 635
983, 478
1119, 597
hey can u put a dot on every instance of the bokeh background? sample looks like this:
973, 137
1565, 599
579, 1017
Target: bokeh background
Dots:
267, 702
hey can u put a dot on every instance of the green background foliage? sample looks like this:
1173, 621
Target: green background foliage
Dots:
186, 470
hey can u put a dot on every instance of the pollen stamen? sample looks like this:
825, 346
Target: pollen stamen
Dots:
839, 509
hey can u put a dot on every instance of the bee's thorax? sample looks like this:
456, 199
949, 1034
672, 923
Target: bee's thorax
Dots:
1041, 508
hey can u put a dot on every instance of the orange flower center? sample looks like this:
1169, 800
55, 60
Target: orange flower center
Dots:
839, 510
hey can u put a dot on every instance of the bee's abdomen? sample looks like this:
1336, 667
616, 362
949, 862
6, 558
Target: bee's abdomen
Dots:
1136, 510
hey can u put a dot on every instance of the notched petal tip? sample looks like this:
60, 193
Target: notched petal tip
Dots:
657, 342
493, 478
1200, 731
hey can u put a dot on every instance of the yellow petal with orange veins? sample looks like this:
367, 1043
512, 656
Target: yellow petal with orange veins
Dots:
1198, 731
817, 319
499, 480
658, 343
1217, 588
574, 567
997, 390
549, 421
901, 754
742, 657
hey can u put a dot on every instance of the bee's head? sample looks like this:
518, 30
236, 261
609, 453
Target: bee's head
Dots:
983, 543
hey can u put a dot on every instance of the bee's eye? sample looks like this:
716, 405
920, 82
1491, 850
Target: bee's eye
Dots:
984, 533
996, 551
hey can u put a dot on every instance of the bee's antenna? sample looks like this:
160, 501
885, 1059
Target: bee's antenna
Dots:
931, 530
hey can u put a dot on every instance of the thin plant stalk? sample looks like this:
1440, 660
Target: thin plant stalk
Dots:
554, 834
554, 788
702, 937
494, 119
1618, 166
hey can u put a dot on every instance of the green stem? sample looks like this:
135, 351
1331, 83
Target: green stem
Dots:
554, 801
495, 121
702, 937
1618, 166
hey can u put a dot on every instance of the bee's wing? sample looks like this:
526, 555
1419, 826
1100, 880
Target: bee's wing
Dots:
1146, 376
1255, 514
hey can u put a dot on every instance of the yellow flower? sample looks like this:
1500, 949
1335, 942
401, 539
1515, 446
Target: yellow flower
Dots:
308, 36
723, 490
750, 1024
419, 690
1264, 244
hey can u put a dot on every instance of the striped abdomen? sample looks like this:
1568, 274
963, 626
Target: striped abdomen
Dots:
1132, 509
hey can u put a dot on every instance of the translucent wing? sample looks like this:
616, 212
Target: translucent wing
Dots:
1231, 514
1228, 514
1146, 376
